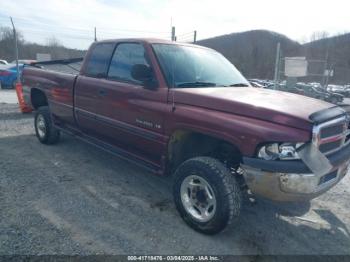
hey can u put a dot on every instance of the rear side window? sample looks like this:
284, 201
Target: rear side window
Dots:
97, 65
125, 56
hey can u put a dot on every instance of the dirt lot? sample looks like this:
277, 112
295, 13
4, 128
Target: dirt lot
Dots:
73, 198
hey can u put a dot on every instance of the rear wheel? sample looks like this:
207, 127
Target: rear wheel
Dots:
206, 194
45, 131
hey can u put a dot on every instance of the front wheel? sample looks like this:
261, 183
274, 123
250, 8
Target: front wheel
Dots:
206, 194
45, 131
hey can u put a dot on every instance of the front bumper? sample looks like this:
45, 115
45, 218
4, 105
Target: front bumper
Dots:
292, 180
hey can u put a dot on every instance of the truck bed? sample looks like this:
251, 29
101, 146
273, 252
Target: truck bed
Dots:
56, 79
69, 66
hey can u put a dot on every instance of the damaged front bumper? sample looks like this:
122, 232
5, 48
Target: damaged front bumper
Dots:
292, 180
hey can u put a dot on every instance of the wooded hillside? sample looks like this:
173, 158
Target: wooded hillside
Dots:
29, 50
254, 53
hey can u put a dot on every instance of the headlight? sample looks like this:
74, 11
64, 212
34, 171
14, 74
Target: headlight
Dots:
282, 151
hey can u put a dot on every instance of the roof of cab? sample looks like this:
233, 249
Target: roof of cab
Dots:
149, 41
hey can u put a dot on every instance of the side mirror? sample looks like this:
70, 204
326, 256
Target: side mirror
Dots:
144, 74
141, 72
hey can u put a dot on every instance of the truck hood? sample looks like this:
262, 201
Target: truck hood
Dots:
269, 105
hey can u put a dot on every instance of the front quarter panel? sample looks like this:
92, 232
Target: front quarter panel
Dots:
243, 132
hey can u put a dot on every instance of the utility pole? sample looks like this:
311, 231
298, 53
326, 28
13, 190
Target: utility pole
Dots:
173, 33
16, 48
95, 35
277, 65
325, 71
330, 72
195, 36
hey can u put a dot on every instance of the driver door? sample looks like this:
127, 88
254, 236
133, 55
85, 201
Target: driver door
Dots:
127, 114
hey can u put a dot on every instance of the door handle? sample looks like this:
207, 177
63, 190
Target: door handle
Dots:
102, 92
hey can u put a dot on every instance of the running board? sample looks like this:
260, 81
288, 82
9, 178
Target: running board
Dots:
112, 149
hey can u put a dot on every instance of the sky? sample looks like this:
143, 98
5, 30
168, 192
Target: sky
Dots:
72, 22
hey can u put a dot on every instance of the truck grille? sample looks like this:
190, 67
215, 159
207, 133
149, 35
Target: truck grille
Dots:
331, 131
331, 146
331, 135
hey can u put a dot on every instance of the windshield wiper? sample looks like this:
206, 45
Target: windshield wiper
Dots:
196, 84
239, 84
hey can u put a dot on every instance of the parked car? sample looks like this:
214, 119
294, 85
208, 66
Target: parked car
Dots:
3, 62
343, 90
24, 61
320, 93
317, 84
332, 97
290, 89
8, 75
185, 110
264, 83
256, 84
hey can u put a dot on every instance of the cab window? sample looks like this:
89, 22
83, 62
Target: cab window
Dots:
98, 62
125, 56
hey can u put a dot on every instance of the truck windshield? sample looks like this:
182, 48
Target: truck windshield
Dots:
190, 66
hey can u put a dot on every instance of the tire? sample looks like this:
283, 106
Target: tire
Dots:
44, 130
222, 185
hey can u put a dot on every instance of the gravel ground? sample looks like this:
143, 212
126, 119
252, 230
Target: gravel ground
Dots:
72, 198
8, 96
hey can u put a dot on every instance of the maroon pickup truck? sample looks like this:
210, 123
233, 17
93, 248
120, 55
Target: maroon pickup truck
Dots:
184, 110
